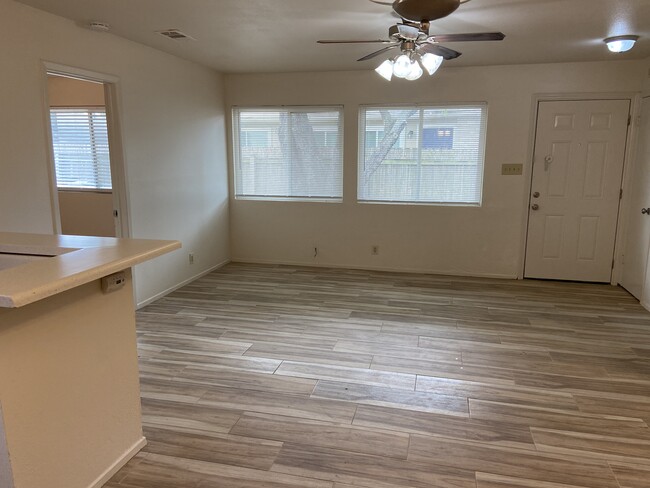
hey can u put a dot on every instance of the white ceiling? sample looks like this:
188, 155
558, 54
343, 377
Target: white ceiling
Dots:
244, 36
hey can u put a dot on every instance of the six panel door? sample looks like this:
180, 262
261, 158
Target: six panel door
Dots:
574, 203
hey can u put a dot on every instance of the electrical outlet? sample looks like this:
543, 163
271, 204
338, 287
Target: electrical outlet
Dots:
113, 282
512, 169
374, 250
191, 258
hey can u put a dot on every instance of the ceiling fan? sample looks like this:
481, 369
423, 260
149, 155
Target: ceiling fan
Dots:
419, 49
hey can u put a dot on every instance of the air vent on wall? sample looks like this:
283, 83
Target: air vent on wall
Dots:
175, 34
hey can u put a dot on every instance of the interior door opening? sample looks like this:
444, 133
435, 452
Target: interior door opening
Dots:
85, 151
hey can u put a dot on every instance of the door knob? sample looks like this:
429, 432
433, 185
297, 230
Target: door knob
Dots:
536, 194
645, 211
534, 206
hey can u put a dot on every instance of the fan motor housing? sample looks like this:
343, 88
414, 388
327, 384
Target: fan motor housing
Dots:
422, 10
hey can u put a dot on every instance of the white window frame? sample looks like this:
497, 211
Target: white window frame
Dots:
236, 148
421, 106
90, 109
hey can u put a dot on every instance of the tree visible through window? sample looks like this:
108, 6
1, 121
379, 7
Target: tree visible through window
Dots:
422, 154
298, 157
80, 144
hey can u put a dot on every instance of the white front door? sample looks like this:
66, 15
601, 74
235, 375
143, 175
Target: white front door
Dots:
638, 224
574, 201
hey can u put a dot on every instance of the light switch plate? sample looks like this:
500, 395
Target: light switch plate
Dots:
512, 169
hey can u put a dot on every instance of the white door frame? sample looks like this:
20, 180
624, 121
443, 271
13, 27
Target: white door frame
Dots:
635, 101
113, 121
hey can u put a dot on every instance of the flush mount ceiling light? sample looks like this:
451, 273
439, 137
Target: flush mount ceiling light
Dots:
621, 44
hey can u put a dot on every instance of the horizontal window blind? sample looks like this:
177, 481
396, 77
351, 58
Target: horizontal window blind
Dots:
80, 143
288, 153
421, 154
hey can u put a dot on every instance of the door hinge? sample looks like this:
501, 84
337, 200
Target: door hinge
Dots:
629, 120
620, 194
115, 213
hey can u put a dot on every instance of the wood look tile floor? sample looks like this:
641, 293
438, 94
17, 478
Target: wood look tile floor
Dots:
285, 377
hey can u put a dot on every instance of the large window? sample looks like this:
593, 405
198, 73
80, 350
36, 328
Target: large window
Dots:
80, 143
288, 153
430, 154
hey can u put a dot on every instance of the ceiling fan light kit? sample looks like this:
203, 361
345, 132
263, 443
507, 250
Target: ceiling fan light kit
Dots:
420, 51
409, 67
621, 44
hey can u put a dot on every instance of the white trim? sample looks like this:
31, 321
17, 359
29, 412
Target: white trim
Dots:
528, 166
103, 478
118, 162
645, 305
377, 268
73, 72
169, 290
626, 183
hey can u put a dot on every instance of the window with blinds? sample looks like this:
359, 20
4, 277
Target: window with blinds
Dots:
288, 153
419, 154
80, 143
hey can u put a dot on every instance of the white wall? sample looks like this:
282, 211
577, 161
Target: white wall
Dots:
456, 240
173, 133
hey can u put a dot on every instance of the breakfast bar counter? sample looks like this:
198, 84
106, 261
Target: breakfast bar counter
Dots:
69, 387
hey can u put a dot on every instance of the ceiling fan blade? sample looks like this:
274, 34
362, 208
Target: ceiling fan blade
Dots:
377, 53
439, 50
479, 36
326, 41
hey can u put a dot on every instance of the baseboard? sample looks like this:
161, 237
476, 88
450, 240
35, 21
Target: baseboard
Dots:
119, 464
645, 305
146, 302
378, 268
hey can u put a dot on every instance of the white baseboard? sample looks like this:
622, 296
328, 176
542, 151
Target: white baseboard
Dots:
378, 268
119, 464
146, 302
645, 305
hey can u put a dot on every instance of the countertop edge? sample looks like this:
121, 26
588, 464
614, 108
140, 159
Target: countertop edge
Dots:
20, 298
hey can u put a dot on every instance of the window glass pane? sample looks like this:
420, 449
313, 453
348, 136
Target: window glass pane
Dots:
293, 153
80, 146
422, 154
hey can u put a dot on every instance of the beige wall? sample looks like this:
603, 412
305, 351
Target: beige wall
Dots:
443, 239
68, 92
87, 213
173, 125
69, 386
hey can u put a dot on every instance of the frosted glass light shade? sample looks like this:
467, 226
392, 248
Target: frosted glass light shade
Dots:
621, 44
402, 66
415, 71
385, 69
431, 62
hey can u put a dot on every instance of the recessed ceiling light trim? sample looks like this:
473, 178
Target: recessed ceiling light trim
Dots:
621, 44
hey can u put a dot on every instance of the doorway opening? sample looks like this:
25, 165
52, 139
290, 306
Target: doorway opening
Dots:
86, 164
